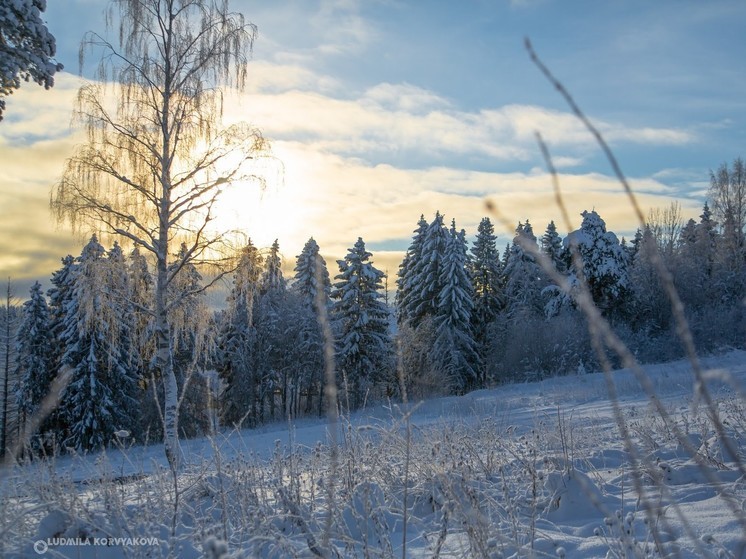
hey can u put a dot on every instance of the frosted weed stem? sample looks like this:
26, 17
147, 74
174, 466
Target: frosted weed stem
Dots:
330, 391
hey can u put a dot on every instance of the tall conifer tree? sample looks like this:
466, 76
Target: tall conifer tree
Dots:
100, 397
489, 297
364, 348
238, 342
455, 349
34, 358
408, 294
310, 284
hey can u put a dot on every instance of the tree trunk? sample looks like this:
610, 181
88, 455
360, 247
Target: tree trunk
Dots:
271, 402
164, 351
321, 399
6, 375
165, 361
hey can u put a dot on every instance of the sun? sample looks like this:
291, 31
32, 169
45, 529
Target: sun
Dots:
261, 212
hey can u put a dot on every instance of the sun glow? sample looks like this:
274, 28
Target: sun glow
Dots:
261, 212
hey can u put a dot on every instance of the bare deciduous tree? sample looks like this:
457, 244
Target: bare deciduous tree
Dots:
665, 225
728, 193
157, 157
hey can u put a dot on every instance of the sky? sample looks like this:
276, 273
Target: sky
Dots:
378, 111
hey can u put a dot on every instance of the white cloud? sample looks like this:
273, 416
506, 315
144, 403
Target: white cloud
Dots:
563, 162
334, 187
268, 78
404, 121
651, 136
404, 97
341, 28
335, 199
563, 128
34, 113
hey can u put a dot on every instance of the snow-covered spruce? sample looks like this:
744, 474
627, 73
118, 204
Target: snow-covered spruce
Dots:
364, 347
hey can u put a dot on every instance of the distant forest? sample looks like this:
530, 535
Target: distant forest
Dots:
464, 317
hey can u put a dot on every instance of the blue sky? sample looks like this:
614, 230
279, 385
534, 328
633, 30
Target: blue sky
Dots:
380, 110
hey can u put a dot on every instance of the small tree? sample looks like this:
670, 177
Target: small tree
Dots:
605, 262
551, 246
27, 48
155, 165
649, 309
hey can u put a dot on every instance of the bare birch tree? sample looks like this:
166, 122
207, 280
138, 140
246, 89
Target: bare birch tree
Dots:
157, 157
665, 225
728, 194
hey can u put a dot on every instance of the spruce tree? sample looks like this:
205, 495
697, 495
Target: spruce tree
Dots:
651, 310
310, 268
688, 236
706, 240
551, 246
100, 397
522, 275
274, 337
240, 363
142, 345
605, 263
364, 348
120, 318
10, 316
60, 296
632, 246
455, 350
486, 274
306, 281
34, 358
408, 294
272, 278
140, 284
426, 276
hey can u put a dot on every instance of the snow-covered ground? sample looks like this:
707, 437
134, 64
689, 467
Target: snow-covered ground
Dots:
526, 470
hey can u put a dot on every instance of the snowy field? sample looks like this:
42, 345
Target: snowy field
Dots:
525, 470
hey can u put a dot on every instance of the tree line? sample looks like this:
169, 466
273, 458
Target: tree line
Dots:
464, 317
260, 358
